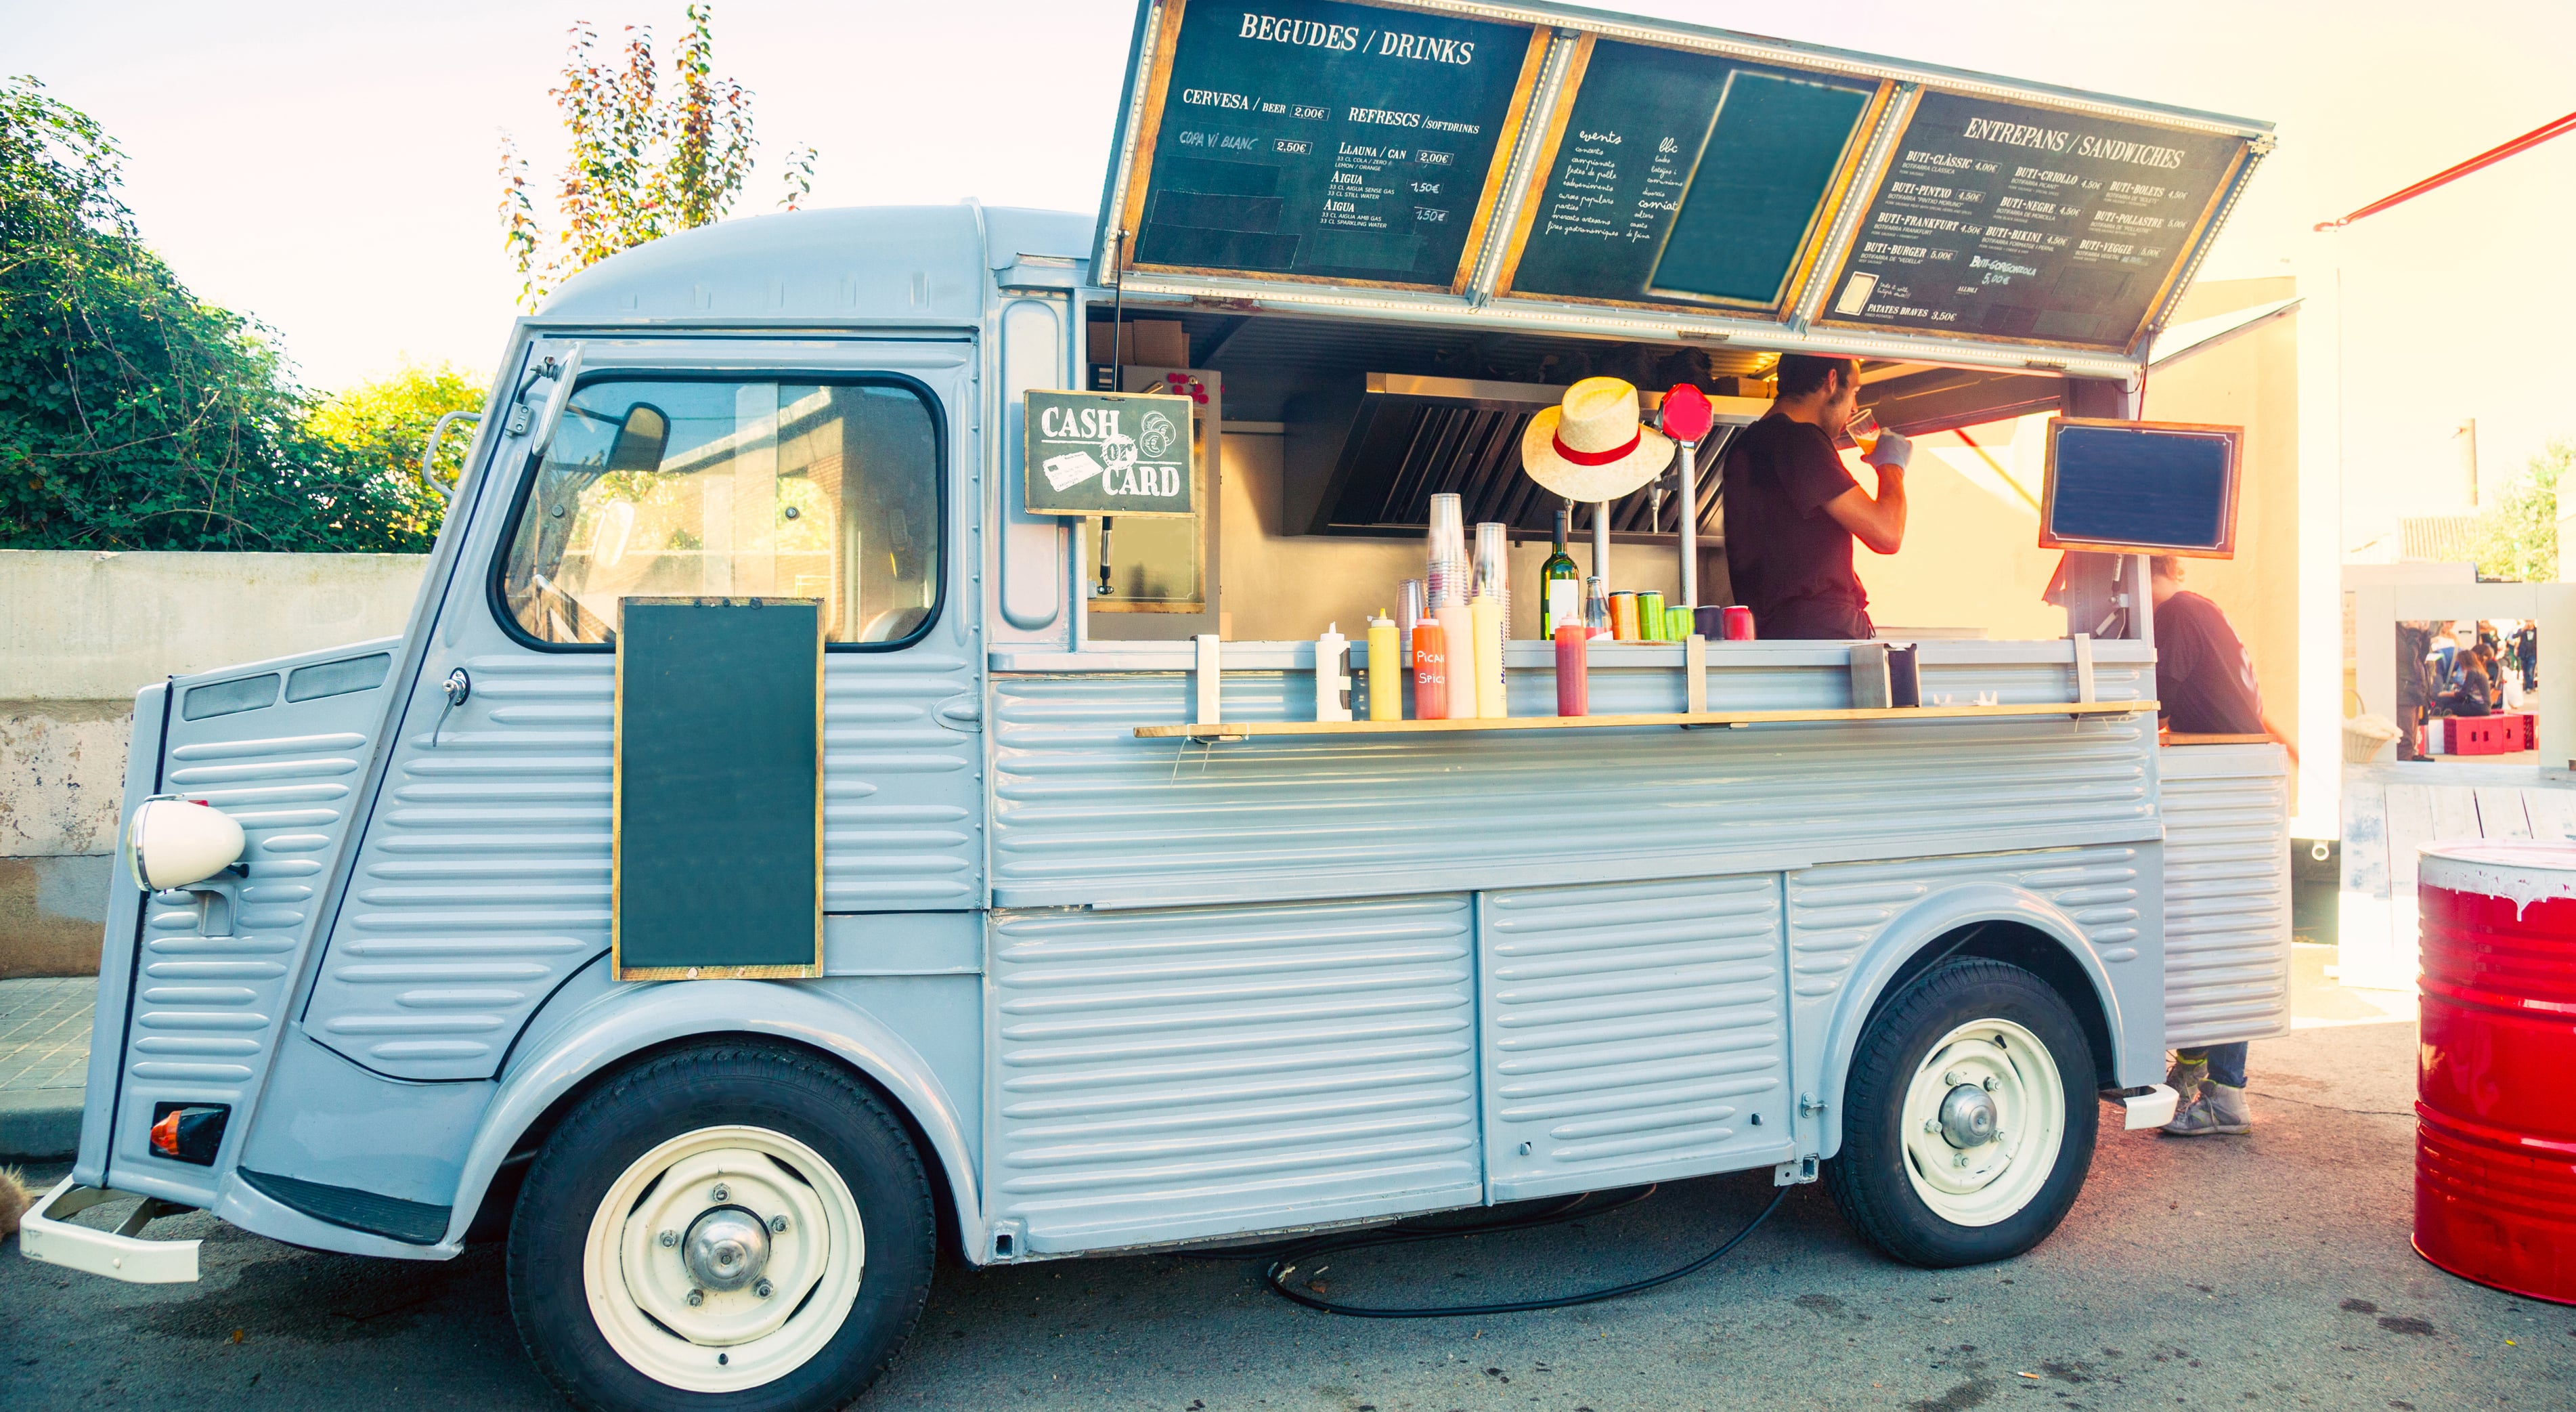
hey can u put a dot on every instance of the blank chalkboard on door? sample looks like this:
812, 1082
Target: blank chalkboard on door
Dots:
717, 861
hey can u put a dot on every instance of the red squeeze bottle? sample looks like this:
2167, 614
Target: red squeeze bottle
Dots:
1573, 690
1430, 672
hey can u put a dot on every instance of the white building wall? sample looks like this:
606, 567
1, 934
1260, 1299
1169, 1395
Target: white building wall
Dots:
80, 633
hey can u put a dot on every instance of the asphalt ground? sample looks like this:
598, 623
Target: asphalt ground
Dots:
2269, 1271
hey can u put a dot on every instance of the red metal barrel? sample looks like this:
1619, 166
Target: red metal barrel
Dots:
2495, 1113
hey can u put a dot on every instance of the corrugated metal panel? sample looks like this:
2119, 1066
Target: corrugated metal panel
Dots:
1085, 813
1636, 1033
2227, 893
1837, 912
483, 880
211, 983
1166, 1075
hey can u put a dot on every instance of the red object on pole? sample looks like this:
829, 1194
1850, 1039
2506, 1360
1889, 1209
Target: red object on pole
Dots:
2483, 160
2495, 1138
1686, 414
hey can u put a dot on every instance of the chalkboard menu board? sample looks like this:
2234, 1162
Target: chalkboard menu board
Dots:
1324, 141
716, 865
1997, 220
2150, 487
1108, 453
1685, 178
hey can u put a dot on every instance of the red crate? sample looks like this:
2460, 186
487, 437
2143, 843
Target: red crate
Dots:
2478, 735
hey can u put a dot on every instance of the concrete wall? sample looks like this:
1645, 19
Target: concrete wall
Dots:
80, 633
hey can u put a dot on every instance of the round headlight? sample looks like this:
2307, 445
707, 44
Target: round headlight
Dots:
174, 842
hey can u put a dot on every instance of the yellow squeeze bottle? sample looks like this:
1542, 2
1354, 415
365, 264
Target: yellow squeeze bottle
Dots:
1385, 670
1488, 611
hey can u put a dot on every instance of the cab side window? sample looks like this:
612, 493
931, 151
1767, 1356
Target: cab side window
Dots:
656, 488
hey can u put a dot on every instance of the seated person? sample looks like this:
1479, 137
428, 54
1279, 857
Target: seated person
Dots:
2475, 695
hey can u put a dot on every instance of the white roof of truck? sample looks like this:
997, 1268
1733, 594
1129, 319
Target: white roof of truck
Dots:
914, 263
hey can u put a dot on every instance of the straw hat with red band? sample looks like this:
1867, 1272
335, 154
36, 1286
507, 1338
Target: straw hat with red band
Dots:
1595, 446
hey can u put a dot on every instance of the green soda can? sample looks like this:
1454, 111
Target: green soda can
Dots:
1650, 616
1677, 624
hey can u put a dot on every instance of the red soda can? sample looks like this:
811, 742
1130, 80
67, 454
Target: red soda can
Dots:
1739, 624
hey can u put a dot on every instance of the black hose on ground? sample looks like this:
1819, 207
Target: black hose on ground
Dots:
1286, 1260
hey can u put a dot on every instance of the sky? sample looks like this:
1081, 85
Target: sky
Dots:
329, 168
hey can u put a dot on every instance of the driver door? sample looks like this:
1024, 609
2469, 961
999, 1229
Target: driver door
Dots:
827, 470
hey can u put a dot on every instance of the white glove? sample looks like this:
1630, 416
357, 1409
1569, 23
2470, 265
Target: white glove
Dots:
1892, 450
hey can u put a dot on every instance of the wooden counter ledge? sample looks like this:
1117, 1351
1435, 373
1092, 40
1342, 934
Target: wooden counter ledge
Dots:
1238, 730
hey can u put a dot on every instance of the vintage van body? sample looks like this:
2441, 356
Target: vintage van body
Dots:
1091, 988
1083, 991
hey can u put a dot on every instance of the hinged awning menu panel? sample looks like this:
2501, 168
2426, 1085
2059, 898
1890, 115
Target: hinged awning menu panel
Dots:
1319, 141
2014, 222
1673, 177
1550, 171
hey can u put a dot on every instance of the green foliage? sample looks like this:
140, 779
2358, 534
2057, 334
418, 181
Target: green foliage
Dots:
2518, 538
133, 416
642, 164
384, 426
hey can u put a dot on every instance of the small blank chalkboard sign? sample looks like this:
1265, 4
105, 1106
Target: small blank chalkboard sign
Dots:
2141, 487
717, 862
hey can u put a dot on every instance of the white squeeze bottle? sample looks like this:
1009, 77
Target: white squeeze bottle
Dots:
1332, 675
1488, 613
1458, 634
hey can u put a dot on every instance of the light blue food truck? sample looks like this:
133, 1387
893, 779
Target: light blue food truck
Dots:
1108, 940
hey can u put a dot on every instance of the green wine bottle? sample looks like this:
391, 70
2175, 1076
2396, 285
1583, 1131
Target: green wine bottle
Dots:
1560, 583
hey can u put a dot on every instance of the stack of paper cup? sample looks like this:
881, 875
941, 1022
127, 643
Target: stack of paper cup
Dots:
1494, 568
1445, 577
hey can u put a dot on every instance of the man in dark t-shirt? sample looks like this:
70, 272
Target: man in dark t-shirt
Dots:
2204, 678
1792, 511
2205, 685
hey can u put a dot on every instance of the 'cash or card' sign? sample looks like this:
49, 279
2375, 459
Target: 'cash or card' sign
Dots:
1109, 453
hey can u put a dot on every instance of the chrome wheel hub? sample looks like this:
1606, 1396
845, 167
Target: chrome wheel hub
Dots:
1983, 1120
1968, 1116
724, 1258
728, 1247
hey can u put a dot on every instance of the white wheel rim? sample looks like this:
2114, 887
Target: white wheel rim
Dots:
1979, 1184
731, 1339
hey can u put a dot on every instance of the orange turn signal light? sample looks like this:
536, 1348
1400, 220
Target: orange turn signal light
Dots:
189, 1133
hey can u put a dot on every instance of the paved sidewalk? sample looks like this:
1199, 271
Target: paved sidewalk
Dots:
44, 1060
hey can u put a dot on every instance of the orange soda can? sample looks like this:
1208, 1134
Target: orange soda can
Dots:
1623, 616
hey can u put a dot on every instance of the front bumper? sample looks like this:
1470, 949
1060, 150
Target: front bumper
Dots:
47, 1234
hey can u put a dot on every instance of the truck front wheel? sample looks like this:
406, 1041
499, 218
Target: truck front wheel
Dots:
742, 1227
1969, 1118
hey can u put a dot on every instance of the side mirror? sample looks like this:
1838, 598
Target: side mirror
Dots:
640, 439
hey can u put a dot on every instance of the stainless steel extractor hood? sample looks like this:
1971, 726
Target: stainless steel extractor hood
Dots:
1366, 459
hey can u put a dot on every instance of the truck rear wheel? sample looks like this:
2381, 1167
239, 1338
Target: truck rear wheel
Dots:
742, 1227
1969, 1118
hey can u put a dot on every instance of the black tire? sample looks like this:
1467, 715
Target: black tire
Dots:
1869, 1176
788, 1091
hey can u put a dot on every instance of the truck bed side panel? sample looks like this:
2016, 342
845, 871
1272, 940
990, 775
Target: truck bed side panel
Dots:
1633, 1033
1838, 914
1190, 1072
2227, 893
1084, 813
